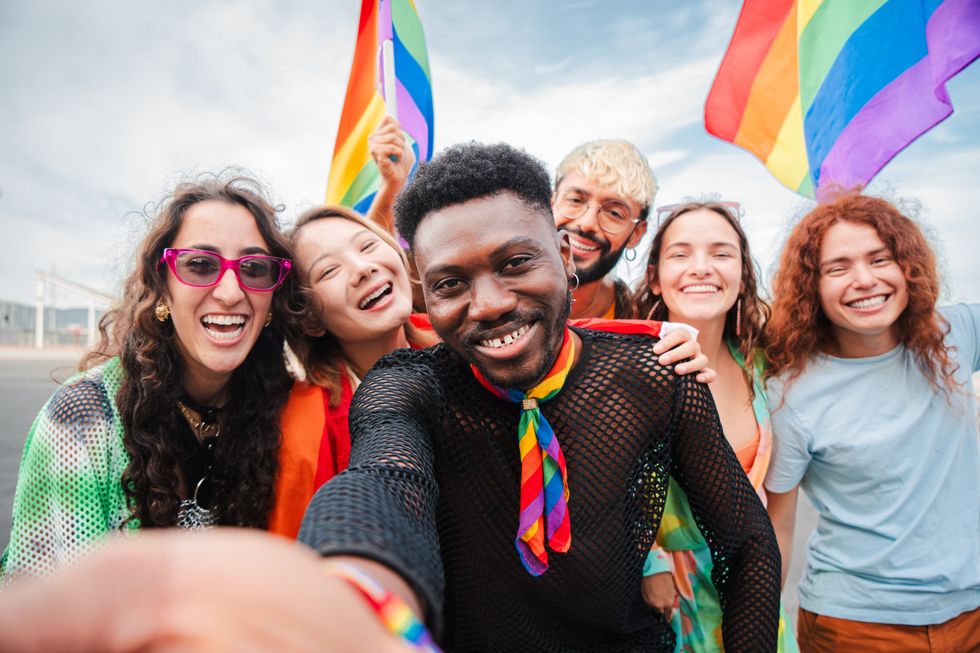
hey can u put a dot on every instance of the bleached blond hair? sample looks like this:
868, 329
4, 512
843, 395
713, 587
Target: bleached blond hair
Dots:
615, 164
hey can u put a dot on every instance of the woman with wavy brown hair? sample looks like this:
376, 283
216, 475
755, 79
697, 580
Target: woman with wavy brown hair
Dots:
174, 418
875, 418
700, 272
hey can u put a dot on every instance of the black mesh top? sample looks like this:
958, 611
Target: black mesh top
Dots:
433, 492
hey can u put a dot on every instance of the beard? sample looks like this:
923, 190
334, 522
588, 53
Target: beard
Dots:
607, 260
527, 376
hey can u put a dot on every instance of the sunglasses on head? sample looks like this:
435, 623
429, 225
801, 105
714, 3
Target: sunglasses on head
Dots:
734, 208
202, 269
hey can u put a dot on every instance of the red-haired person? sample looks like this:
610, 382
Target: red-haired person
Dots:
875, 417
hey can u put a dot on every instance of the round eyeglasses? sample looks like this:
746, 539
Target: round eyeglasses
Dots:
613, 216
202, 269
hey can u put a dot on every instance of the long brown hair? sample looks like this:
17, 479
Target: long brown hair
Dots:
246, 460
745, 330
319, 351
798, 328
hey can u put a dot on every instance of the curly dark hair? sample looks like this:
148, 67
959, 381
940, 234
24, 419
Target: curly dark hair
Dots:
747, 335
470, 171
246, 462
799, 328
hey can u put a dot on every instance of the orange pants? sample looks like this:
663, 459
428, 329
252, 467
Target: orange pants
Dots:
818, 633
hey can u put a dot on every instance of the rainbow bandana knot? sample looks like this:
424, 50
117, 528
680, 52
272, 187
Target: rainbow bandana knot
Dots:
544, 479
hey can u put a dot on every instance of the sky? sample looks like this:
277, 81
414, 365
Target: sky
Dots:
106, 105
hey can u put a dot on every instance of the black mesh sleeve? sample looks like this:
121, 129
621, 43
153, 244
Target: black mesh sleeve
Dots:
383, 506
732, 519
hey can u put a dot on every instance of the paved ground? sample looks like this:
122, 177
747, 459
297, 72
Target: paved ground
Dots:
26, 382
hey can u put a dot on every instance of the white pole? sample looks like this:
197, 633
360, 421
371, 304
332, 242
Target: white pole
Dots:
391, 92
39, 314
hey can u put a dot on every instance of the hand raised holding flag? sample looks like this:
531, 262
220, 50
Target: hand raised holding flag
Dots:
393, 154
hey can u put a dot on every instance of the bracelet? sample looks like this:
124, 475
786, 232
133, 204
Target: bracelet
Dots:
395, 615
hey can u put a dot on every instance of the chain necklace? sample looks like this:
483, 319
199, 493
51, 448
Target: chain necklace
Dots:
190, 514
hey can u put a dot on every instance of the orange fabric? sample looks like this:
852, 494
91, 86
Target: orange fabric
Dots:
315, 447
746, 454
822, 634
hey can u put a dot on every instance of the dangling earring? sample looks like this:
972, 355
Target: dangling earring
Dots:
738, 318
626, 255
268, 319
653, 309
574, 278
162, 312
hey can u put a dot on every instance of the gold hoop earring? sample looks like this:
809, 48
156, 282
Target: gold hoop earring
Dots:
162, 312
268, 319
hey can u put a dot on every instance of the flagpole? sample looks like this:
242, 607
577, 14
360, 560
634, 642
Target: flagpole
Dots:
388, 59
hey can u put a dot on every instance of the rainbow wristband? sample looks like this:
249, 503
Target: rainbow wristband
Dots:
394, 613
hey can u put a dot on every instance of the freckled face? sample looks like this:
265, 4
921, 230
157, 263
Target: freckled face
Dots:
217, 327
498, 295
699, 275
359, 282
863, 290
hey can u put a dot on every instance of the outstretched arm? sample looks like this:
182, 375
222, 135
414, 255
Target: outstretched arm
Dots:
382, 507
226, 590
732, 519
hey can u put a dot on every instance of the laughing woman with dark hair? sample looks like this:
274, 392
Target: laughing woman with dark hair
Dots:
174, 418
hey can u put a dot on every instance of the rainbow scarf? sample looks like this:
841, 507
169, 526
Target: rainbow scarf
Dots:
544, 479
826, 92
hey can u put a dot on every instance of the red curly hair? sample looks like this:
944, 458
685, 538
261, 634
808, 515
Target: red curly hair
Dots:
798, 328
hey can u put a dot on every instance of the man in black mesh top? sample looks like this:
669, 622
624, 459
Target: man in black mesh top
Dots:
436, 478
429, 511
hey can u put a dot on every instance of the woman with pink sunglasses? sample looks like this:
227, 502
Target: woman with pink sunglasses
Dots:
174, 417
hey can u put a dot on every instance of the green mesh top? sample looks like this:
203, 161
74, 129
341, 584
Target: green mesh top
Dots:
69, 492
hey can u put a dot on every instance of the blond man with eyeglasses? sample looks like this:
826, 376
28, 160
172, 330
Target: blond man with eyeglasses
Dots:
603, 193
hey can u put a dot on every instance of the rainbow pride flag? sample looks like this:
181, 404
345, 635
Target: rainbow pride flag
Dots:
826, 92
354, 177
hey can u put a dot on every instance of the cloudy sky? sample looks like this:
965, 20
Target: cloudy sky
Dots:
106, 104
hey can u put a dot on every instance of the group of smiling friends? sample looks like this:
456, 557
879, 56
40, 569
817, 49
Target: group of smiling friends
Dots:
357, 383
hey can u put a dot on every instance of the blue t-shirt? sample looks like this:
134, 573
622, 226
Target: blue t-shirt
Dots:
892, 468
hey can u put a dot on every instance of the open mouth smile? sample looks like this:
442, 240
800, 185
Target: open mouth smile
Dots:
583, 245
868, 302
700, 289
224, 327
513, 336
375, 297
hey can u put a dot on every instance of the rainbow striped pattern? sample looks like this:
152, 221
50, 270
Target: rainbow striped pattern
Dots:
826, 92
544, 478
397, 618
354, 177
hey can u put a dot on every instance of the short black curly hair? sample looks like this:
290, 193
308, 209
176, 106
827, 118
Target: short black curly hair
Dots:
469, 171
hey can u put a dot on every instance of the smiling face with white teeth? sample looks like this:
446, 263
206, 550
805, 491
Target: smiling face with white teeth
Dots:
596, 251
863, 290
699, 274
498, 296
359, 283
217, 326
